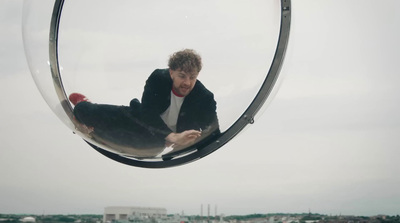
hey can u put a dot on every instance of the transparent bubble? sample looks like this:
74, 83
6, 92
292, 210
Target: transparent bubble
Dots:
106, 50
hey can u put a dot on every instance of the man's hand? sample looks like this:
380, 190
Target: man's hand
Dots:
184, 138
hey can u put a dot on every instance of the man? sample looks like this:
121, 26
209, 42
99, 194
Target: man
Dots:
176, 110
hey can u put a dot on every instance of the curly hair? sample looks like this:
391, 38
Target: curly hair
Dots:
186, 60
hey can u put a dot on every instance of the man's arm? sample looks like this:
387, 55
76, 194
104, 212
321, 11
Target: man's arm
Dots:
182, 139
208, 119
155, 101
206, 125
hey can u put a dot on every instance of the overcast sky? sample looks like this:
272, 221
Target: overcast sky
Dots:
328, 142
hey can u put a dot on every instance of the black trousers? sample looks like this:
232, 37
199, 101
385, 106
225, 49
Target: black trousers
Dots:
118, 124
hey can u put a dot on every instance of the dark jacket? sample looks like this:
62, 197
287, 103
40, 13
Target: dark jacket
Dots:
198, 110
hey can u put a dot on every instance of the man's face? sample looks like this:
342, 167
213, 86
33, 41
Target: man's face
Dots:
183, 82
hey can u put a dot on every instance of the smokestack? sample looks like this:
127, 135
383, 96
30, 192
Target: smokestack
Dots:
208, 215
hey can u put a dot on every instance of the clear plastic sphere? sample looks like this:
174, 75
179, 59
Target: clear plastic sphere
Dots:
106, 50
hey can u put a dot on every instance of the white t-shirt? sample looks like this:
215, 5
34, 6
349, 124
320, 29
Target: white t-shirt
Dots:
170, 116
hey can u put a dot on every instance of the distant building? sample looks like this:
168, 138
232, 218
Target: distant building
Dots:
138, 214
28, 219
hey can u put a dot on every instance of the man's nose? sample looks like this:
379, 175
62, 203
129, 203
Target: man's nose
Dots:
186, 81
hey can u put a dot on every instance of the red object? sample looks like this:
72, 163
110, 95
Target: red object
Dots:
75, 98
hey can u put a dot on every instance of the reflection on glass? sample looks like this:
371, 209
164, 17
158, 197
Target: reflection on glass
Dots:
176, 111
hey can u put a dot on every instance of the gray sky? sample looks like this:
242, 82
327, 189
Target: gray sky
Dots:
328, 142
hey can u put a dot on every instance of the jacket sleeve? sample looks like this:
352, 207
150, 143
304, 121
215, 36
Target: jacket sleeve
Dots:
209, 119
155, 101
199, 111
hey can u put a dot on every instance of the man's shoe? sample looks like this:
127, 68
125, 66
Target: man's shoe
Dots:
75, 98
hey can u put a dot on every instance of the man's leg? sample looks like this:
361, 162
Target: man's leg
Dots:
116, 124
100, 115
